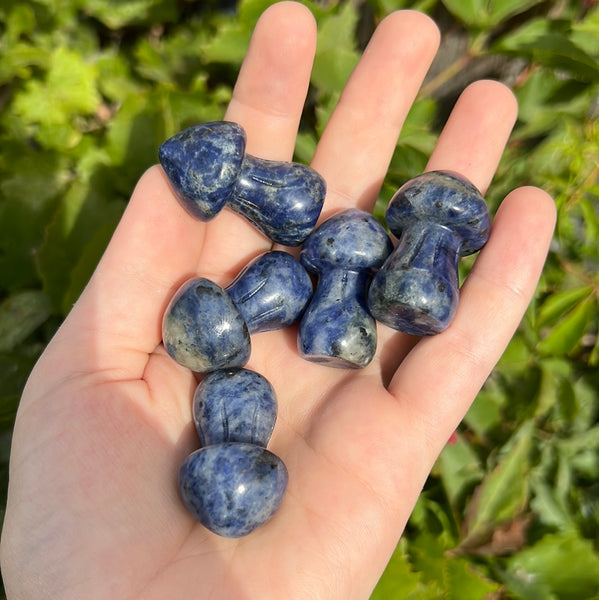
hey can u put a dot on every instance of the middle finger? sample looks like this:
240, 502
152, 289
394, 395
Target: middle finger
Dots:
358, 141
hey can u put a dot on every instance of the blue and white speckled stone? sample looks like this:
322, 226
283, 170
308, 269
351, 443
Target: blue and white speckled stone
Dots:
337, 328
271, 292
232, 488
283, 200
207, 169
438, 217
351, 240
203, 330
203, 164
416, 290
234, 405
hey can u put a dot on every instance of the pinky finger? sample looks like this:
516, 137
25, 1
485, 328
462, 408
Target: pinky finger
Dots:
441, 376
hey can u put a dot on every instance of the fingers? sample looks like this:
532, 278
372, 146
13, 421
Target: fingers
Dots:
157, 244
357, 144
267, 102
271, 88
476, 132
440, 377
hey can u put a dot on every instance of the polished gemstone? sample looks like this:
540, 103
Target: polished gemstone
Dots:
232, 488
203, 330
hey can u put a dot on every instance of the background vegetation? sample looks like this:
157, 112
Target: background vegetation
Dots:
90, 88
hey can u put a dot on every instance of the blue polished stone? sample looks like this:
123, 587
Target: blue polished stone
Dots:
281, 199
352, 239
203, 330
438, 217
337, 328
232, 488
207, 169
203, 164
271, 292
234, 405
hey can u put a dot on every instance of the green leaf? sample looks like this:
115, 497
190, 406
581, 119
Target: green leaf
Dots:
464, 582
69, 88
566, 335
81, 214
563, 563
115, 79
549, 507
305, 146
449, 576
133, 138
116, 14
548, 43
230, 42
556, 305
583, 440
459, 468
485, 413
336, 54
503, 492
398, 580
471, 12
487, 13
30, 183
20, 315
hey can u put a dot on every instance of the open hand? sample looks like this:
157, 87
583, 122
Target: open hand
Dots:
104, 422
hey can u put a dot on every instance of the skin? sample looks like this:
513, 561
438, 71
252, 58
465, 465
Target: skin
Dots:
104, 423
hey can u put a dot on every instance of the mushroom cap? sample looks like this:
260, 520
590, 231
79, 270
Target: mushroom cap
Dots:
203, 330
443, 198
203, 163
352, 239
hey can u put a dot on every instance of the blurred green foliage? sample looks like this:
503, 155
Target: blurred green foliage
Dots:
90, 88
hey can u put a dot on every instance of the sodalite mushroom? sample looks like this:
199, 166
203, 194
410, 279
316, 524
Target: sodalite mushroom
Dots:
207, 167
232, 485
206, 327
437, 217
337, 328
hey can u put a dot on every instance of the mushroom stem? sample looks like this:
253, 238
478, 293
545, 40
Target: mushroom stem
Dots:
417, 289
337, 329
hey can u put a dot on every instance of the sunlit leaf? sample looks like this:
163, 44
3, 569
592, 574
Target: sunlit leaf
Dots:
502, 493
116, 14
399, 580
564, 564
459, 468
471, 12
559, 303
545, 43
487, 13
69, 88
336, 53
566, 335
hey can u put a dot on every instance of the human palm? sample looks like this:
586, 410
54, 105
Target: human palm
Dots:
104, 422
